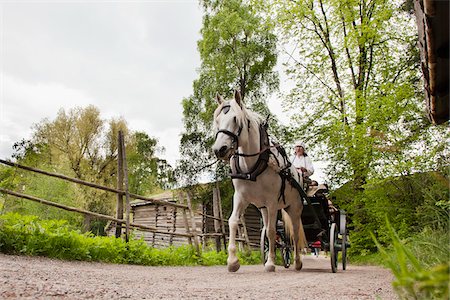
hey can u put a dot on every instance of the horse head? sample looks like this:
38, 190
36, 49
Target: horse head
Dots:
228, 124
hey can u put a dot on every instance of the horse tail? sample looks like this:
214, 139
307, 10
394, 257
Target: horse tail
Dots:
289, 229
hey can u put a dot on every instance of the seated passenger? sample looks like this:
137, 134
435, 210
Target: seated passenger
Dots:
302, 162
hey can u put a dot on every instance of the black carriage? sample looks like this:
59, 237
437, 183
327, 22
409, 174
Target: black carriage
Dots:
324, 226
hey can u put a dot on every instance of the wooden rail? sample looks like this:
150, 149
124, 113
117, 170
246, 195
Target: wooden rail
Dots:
86, 212
93, 185
121, 192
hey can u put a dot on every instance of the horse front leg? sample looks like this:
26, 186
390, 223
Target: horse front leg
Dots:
269, 266
233, 222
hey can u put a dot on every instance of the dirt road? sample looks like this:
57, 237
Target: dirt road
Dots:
43, 278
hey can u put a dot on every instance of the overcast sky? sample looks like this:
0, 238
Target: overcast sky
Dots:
135, 59
131, 59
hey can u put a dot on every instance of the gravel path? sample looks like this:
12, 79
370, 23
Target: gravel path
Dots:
42, 278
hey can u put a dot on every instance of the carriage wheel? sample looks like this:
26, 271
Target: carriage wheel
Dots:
286, 252
333, 247
343, 232
344, 250
264, 247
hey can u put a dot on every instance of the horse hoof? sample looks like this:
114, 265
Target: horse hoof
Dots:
234, 267
269, 268
298, 266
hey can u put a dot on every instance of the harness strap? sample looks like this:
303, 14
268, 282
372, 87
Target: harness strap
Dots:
234, 136
263, 159
285, 174
258, 168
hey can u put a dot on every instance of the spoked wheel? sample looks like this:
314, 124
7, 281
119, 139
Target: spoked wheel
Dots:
286, 252
264, 247
344, 250
333, 247
343, 237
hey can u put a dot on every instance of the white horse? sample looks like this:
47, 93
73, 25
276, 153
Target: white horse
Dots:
256, 165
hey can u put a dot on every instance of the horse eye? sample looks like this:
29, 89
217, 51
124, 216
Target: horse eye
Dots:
226, 109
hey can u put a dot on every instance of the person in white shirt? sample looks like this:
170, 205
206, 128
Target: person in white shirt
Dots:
301, 160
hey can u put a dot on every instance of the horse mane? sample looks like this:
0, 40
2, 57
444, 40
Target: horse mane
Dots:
244, 117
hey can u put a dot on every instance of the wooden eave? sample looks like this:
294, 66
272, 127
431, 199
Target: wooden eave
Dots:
433, 27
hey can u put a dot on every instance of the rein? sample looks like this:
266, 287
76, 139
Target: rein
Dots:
264, 154
207, 166
257, 153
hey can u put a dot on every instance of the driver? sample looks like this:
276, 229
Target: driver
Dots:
302, 162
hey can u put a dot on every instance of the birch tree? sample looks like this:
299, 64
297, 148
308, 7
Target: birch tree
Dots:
238, 52
356, 99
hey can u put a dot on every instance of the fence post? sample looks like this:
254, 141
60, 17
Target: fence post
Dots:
194, 226
217, 228
119, 210
222, 223
127, 192
245, 232
185, 219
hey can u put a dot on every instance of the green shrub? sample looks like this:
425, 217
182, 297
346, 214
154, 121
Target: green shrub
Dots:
416, 277
57, 239
411, 203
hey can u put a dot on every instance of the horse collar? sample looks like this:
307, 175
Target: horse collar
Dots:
260, 165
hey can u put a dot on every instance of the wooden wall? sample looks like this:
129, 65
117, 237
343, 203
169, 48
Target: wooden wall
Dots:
253, 221
170, 219
164, 218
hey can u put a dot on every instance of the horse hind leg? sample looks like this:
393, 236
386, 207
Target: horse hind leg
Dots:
294, 229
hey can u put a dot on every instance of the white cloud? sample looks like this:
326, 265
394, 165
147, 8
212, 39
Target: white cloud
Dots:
131, 59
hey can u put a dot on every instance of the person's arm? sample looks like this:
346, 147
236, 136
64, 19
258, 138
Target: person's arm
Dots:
309, 166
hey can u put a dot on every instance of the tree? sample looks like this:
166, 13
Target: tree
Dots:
355, 66
147, 172
80, 144
358, 103
238, 52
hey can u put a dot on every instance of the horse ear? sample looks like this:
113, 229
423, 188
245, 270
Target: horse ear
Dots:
219, 98
237, 97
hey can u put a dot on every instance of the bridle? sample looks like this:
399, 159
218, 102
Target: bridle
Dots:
263, 155
234, 137
263, 158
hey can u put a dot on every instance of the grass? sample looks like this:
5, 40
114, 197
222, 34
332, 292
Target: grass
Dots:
420, 265
28, 235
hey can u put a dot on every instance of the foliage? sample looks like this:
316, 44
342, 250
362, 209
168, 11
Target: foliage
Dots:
202, 194
414, 279
80, 144
146, 172
356, 99
57, 239
238, 52
48, 188
411, 203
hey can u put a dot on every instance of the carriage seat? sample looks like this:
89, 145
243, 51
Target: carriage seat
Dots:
312, 190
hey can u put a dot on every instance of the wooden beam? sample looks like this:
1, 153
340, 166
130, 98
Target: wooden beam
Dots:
82, 211
194, 226
90, 184
222, 221
217, 228
119, 210
127, 192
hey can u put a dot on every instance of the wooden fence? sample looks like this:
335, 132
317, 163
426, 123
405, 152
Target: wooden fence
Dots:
188, 232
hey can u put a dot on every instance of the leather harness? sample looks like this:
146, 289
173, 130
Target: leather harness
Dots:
262, 163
